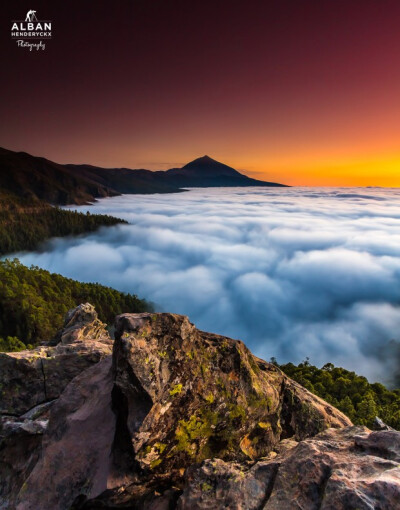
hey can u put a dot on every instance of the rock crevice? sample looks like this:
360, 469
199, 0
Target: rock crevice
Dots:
179, 418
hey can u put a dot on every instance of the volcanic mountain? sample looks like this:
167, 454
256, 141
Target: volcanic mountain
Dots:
34, 177
206, 172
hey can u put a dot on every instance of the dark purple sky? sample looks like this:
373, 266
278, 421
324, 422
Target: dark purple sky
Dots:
300, 91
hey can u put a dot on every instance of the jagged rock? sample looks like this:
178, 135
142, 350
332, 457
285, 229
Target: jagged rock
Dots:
329, 472
178, 396
38, 411
189, 395
29, 378
124, 431
30, 381
80, 324
76, 448
19, 452
20, 446
380, 425
382, 444
30, 426
218, 484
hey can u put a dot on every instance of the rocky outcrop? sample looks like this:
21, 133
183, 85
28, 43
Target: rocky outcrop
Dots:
189, 395
30, 383
29, 378
77, 446
339, 469
179, 418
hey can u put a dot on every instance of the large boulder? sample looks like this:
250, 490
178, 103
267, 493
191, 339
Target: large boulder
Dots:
30, 383
189, 395
76, 449
180, 418
174, 396
351, 468
31, 377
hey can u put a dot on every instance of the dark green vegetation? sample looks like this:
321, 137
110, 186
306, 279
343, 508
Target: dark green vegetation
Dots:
33, 303
360, 400
30, 177
24, 224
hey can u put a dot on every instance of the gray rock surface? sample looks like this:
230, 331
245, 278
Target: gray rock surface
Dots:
179, 418
30, 383
32, 377
76, 449
339, 469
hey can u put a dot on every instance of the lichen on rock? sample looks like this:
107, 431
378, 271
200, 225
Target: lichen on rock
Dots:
217, 394
179, 418
339, 469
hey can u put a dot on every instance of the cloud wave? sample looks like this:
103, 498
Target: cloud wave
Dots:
293, 272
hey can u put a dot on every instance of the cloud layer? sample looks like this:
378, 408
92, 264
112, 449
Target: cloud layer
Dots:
293, 272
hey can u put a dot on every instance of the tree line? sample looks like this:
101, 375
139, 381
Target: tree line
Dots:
352, 394
24, 225
33, 303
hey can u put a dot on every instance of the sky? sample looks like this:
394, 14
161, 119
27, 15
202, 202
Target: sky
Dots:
304, 92
293, 272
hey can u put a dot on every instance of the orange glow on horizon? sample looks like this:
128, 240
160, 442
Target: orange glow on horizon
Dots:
305, 94
380, 172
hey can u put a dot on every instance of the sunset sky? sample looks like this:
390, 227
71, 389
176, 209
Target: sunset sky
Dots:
304, 92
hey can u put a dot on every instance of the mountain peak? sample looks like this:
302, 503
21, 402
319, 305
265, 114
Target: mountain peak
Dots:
206, 164
203, 160
208, 172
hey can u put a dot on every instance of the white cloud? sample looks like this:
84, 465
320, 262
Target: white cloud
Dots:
293, 272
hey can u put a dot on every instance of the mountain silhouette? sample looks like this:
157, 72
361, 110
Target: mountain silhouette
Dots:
205, 164
207, 172
29, 176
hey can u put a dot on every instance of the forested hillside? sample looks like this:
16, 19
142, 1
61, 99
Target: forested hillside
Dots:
360, 400
25, 223
33, 303
30, 177
34, 177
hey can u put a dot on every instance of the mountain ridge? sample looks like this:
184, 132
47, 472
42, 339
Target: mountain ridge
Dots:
207, 172
39, 178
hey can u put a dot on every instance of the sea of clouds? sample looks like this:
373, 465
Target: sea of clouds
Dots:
293, 272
